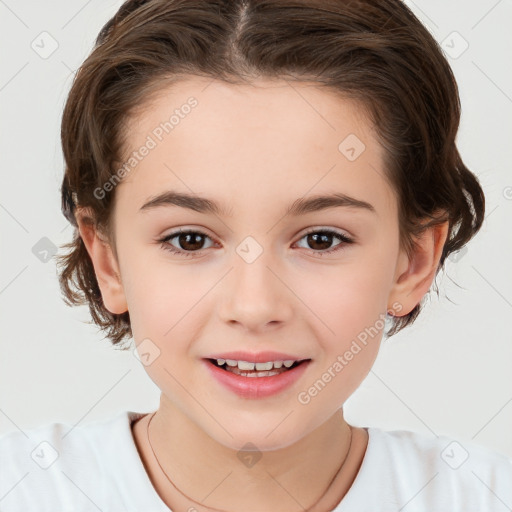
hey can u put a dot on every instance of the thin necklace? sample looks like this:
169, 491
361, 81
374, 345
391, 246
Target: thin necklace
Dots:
219, 510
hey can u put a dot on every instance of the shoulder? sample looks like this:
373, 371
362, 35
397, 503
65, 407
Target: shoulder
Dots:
65, 467
428, 472
453, 452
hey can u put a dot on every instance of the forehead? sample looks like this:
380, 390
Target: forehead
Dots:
272, 105
275, 137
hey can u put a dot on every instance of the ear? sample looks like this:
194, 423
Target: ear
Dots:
415, 273
105, 265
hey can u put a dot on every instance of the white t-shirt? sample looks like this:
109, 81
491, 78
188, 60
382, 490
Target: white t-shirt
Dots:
96, 467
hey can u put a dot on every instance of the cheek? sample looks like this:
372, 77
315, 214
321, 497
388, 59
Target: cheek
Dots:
350, 302
349, 305
165, 304
347, 297
163, 298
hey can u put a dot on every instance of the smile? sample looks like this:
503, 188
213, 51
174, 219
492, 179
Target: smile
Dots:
256, 380
250, 369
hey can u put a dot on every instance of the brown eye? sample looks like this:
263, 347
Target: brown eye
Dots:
320, 241
187, 242
190, 241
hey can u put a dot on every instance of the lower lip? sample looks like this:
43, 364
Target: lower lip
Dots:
256, 387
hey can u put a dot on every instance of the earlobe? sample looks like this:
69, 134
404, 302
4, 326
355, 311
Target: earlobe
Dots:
415, 273
105, 265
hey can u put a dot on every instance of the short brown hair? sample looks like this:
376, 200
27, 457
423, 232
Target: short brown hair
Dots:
373, 51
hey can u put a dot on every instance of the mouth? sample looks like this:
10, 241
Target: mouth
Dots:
251, 380
256, 370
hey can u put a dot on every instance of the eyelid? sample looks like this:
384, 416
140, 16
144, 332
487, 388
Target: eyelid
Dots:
344, 240
178, 231
337, 231
204, 231
167, 246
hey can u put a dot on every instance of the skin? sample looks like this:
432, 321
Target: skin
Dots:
256, 149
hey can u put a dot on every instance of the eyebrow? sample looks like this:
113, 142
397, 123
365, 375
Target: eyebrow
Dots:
299, 207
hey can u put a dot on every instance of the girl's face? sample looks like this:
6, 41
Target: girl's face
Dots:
254, 277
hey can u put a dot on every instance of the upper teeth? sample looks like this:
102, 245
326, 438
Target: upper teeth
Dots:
246, 365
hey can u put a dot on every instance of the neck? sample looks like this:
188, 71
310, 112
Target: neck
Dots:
212, 475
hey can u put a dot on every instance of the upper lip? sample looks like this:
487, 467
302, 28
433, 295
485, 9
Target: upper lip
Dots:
256, 357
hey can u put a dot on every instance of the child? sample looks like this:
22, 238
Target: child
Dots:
259, 131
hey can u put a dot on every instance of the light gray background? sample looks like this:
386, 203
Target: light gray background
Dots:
448, 374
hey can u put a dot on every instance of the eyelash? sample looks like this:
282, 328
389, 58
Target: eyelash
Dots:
166, 246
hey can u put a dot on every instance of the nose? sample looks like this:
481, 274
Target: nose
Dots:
254, 295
